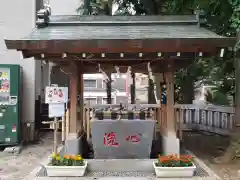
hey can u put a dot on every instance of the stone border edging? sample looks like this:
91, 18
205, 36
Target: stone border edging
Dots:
210, 172
33, 174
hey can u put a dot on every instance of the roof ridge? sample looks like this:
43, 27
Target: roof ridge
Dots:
46, 19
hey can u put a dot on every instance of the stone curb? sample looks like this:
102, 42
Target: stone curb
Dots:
211, 173
33, 174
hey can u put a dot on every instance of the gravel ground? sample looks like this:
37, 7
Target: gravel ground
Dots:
208, 146
17, 167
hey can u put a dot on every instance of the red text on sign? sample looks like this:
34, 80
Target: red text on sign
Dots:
110, 139
134, 138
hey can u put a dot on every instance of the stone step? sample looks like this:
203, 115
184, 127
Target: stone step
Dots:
121, 165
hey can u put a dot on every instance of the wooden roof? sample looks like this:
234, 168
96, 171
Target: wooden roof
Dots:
94, 35
121, 34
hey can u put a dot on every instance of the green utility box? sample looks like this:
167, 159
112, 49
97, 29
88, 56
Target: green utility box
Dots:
10, 86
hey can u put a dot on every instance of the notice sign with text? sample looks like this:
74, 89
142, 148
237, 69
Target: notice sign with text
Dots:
56, 110
56, 95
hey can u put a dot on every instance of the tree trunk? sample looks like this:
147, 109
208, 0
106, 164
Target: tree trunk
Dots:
234, 147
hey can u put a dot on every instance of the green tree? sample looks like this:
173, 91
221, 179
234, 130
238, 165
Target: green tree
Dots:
222, 17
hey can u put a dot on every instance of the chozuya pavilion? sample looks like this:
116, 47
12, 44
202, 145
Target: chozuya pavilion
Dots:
85, 43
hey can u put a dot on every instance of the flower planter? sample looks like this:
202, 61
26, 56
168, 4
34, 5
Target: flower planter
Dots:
174, 171
66, 171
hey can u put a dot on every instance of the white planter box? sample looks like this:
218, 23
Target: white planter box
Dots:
66, 171
174, 171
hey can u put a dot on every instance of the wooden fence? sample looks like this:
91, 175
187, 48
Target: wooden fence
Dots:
209, 118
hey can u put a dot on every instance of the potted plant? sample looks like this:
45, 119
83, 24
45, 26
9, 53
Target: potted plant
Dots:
66, 166
174, 166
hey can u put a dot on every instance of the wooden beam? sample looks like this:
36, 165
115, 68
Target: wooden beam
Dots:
112, 56
122, 45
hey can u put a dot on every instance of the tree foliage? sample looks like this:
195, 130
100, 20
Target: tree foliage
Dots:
223, 17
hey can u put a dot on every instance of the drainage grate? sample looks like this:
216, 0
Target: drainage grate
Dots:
120, 174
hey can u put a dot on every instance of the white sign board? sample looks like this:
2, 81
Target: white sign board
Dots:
56, 95
56, 110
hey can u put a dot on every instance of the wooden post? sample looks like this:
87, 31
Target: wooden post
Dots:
67, 123
73, 102
133, 89
55, 135
82, 124
54, 125
88, 121
170, 140
109, 89
159, 110
63, 127
170, 124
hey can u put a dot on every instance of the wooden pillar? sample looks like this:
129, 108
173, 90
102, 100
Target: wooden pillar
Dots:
163, 111
170, 123
73, 102
133, 88
81, 125
170, 140
109, 89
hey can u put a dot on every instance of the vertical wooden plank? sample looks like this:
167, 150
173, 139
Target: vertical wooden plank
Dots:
170, 124
224, 120
109, 88
133, 88
209, 119
82, 124
196, 116
159, 110
73, 101
216, 119
63, 127
67, 123
231, 119
88, 121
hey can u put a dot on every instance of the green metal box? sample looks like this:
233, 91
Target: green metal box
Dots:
10, 87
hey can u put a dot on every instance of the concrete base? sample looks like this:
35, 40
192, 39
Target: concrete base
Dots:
120, 165
13, 149
171, 144
72, 145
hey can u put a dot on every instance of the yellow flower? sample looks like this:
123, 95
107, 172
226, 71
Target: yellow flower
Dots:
79, 158
58, 158
53, 156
